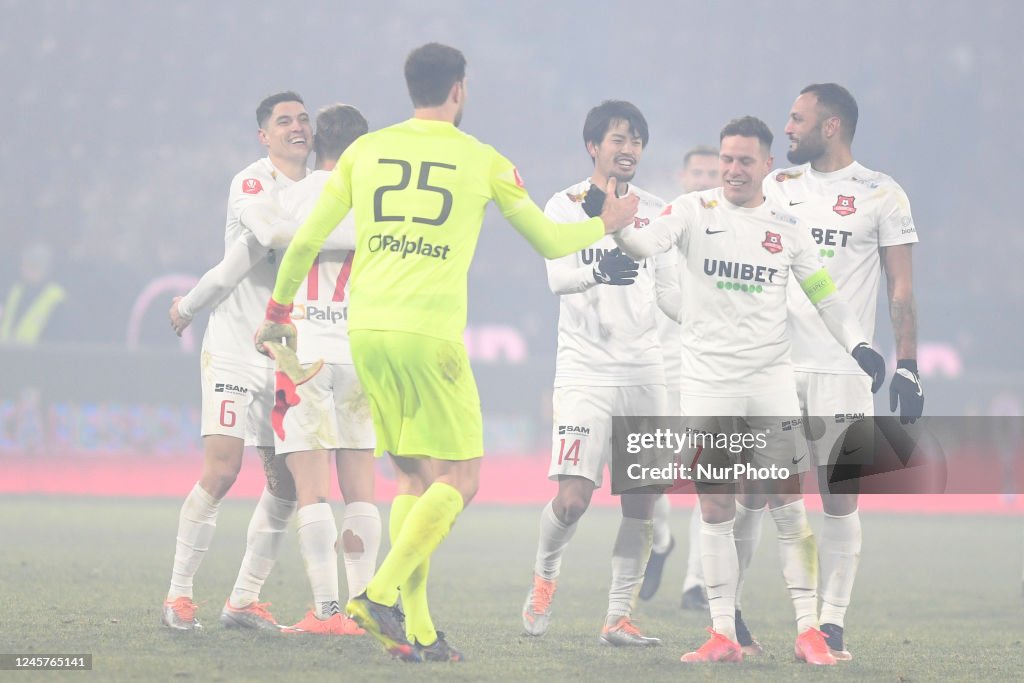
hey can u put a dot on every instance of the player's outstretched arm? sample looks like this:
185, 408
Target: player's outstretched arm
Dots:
550, 239
905, 390
218, 282
843, 324
564, 275
269, 222
657, 238
275, 227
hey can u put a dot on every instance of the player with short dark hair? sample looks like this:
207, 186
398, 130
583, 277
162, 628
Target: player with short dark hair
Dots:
332, 414
430, 72
618, 372
737, 253
699, 172
238, 389
862, 224
832, 101
419, 189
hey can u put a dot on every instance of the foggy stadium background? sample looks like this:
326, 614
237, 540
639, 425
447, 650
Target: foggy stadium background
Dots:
124, 123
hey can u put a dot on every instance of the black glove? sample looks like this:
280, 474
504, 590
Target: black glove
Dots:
593, 202
905, 390
616, 269
871, 362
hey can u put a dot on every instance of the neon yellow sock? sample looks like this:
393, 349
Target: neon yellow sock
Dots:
425, 526
418, 624
400, 508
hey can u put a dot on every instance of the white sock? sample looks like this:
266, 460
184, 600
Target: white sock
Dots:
799, 555
361, 526
196, 524
662, 530
721, 569
317, 534
629, 560
554, 537
263, 541
839, 551
694, 565
748, 537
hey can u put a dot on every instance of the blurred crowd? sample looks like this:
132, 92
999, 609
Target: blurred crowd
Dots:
135, 189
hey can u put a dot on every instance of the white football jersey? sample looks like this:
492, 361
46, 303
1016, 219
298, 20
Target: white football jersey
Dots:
669, 337
607, 334
234, 320
734, 265
850, 214
321, 305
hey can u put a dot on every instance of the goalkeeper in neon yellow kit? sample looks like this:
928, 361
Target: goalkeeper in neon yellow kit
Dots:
419, 190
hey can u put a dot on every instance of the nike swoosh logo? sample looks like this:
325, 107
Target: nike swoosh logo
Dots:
850, 451
796, 461
709, 231
792, 203
903, 372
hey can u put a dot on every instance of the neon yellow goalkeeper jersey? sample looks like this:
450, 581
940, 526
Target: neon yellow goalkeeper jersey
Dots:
419, 190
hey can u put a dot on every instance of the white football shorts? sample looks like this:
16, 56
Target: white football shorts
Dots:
333, 412
830, 403
774, 416
581, 440
237, 400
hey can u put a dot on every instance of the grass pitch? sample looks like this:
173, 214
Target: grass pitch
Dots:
937, 598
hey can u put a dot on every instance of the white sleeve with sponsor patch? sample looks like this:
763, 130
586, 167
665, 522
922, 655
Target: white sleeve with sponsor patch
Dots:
850, 214
734, 265
235, 319
607, 334
321, 304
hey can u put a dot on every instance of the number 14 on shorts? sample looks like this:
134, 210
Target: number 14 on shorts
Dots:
570, 454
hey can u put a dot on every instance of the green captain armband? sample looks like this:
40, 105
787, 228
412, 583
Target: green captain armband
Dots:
818, 286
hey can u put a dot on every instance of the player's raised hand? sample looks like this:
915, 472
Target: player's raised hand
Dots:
178, 321
906, 392
871, 362
618, 212
277, 327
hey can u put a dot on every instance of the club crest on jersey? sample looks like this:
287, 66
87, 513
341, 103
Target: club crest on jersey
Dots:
708, 205
252, 186
844, 205
641, 222
783, 176
772, 242
576, 198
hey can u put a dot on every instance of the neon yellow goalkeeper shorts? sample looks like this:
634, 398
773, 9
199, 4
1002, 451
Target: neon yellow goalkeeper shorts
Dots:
422, 394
